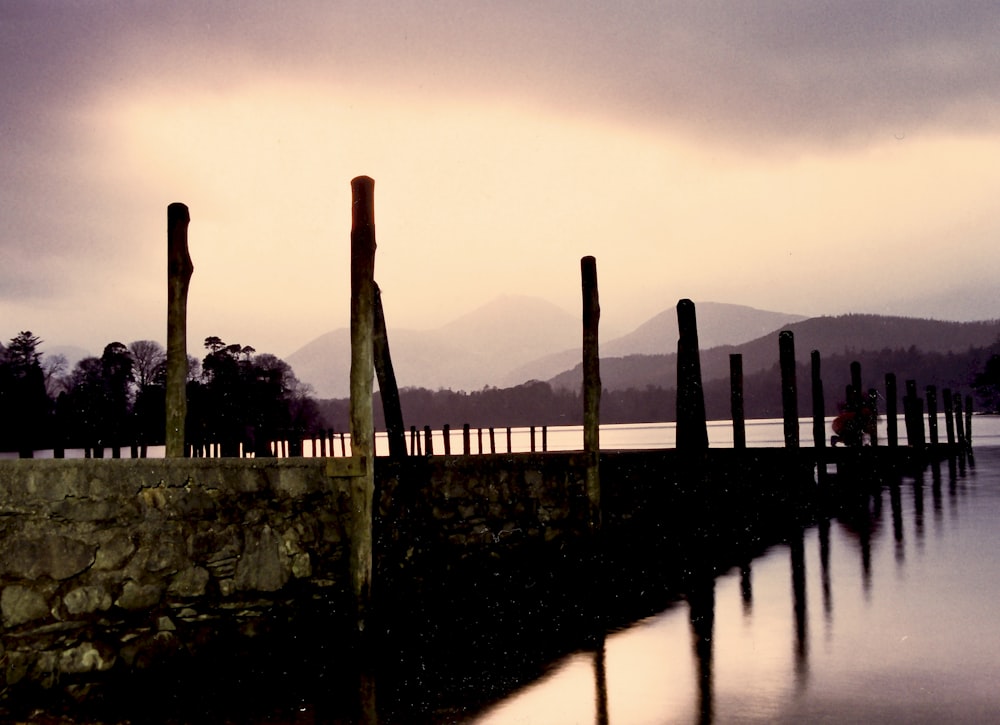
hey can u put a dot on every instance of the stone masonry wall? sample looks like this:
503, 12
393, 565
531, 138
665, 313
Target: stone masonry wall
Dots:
107, 563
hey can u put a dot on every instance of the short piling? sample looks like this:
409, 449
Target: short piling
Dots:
789, 388
818, 403
179, 271
891, 411
930, 393
736, 404
949, 416
692, 428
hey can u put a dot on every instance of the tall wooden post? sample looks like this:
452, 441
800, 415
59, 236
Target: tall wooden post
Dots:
692, 428
818, 403
179, 271
968, 422
891, 412
789, 388
591, 388
391, 408
362, 369
736, 404
959, 420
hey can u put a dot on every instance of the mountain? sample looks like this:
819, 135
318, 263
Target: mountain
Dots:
844, 335
471, 352
718, 324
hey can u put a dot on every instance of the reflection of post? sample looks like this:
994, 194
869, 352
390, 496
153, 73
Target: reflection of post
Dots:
789, 388
736, 404
591, 388
362, 369
179, 271
797, 546
600, 682
701, 599
824, 563
692, 428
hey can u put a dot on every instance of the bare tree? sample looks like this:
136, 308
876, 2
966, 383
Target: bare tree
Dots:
148, 359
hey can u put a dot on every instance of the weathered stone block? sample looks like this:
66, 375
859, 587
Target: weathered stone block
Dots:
52, 555
86, 657
114, 551
137, 596
87, 599
20, 604
189, 582
264, 565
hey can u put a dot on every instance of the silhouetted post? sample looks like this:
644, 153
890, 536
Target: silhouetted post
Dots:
913, 412
532, 439
692, 429
428, 440
493, 440
362, 368
591, 388
891, 413
789, 388
479, 437
949, 416
932, 422
818, 404
736, 406
968, 422
959, 422
466, 442
545, 438
446, 432
508, 439
179, 271
343, 444
873, 405
389, 391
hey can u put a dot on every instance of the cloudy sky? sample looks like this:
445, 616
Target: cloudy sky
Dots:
806, 157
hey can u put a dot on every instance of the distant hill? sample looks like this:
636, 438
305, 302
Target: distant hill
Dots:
471, 352
845, 335
718, 324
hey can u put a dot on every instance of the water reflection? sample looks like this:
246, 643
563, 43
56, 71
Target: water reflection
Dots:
896, 648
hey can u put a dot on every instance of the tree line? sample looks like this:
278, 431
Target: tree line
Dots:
237, 398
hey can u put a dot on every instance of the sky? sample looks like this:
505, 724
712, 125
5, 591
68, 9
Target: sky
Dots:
803, 157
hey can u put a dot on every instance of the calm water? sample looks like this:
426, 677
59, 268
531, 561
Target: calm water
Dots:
889, 616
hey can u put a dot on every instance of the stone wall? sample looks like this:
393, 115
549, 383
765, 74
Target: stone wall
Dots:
111, 563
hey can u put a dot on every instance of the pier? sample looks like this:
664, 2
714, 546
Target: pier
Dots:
139, 565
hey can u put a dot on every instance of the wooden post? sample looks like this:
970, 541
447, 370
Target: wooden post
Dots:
891, 412
736, 404
428, 440
179, 271
959, 422
508, 439
818, 403
493, 440
789, 388
446, 432
389, 392
932, 412
545, 438
692, 429
414, 441
949, 416
532, 439
968, 422
466, 442
362, 369
913, 411
591, 388
873, 405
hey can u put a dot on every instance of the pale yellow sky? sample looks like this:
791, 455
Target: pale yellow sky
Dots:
504, 146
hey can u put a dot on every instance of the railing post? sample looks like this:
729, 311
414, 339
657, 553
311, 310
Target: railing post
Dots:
591, 388
818, 405
362, 371
179, 271
891, 411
